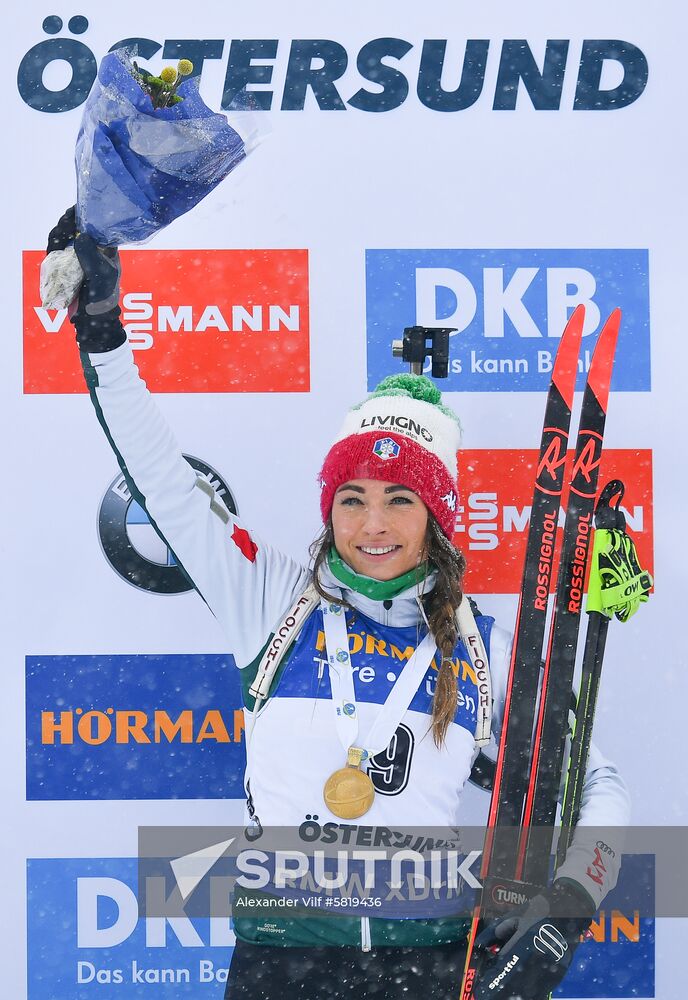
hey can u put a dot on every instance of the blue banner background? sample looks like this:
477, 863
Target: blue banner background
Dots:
607, 970
621, 279
208, 769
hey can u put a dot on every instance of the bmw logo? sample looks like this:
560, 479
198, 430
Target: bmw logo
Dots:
131, 544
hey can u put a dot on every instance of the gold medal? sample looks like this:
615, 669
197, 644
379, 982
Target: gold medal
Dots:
349, 792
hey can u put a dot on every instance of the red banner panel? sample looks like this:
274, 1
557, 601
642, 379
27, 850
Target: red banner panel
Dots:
199, 321
495, 494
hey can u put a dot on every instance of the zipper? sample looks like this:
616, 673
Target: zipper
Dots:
365, 934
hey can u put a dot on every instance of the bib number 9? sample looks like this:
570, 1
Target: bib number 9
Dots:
389, 770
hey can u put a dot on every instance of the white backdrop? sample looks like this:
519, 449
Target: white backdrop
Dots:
339, 183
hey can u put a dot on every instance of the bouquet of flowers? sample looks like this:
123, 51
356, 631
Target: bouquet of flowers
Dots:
148, 150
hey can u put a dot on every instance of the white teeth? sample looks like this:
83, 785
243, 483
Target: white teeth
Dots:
378, 552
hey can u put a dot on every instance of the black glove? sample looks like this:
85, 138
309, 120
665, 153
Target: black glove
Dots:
536, 944
64, 232
96, 318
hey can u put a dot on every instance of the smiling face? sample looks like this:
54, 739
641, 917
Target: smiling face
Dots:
379, 528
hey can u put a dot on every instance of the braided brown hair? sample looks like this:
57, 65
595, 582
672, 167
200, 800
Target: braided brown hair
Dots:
440, 608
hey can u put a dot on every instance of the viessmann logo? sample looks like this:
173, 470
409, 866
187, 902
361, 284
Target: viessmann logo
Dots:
199, 321
495, 493
133, 727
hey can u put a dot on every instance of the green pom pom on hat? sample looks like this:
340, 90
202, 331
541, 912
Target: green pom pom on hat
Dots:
418, 386
415, 387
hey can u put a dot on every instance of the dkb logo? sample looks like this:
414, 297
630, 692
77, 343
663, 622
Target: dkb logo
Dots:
508, 309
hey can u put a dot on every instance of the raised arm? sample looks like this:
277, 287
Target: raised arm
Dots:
246, 583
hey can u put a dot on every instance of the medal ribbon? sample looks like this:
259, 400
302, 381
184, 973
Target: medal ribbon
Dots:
342, 684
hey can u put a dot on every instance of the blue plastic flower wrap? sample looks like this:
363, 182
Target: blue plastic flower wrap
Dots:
139, 168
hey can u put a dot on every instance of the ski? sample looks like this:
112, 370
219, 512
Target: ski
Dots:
514, 750
524, 798
551, 726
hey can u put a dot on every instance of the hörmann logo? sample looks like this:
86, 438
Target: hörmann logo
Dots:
132, 546
128, 725
388, 71
133, 727
494, 510
199, 321
508, 309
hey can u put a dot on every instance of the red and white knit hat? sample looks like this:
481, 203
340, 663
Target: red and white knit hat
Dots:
400, 434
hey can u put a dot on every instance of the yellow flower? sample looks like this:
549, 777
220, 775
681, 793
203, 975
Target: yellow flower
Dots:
169, 75
184, 67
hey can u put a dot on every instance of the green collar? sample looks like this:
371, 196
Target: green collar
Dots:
378, 590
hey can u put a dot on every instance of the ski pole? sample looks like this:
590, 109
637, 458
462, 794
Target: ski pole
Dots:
617, 587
